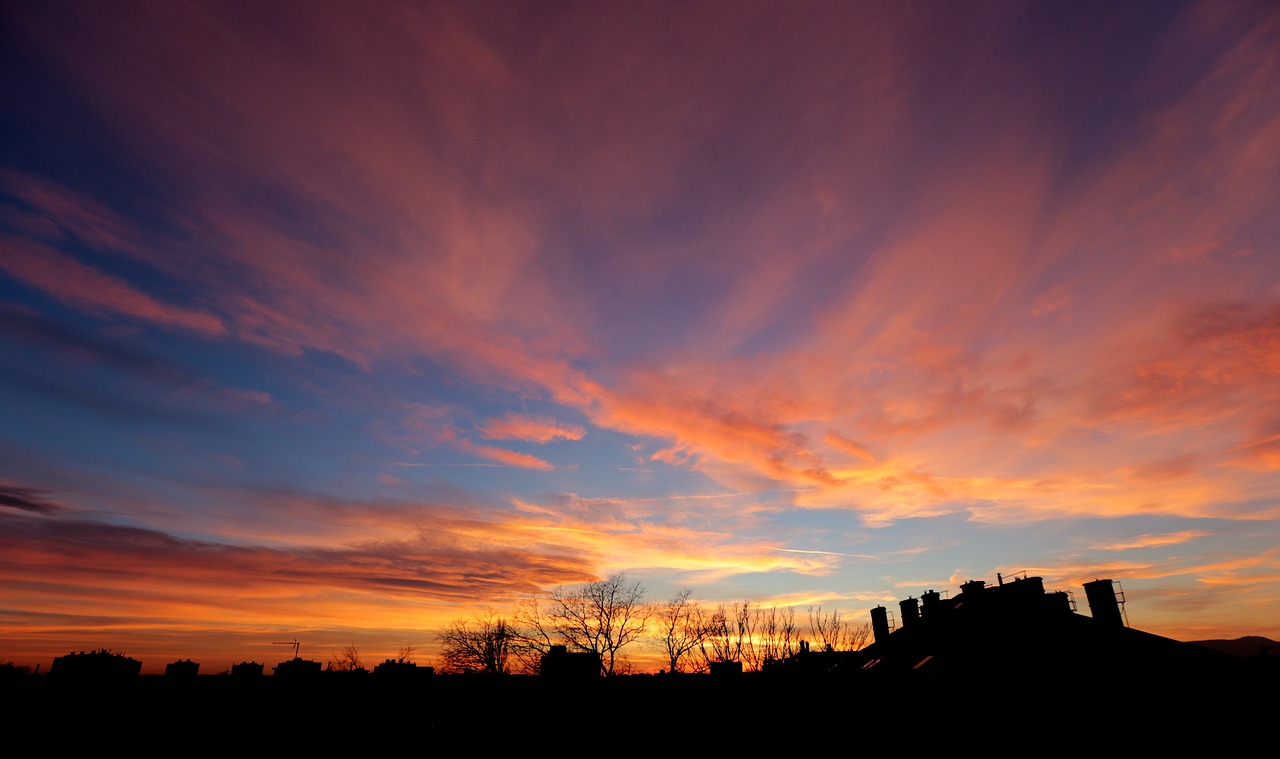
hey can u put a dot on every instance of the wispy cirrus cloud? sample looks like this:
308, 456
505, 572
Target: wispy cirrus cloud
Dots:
1149, 541
898, 330
699, 539
423, 427
66, 279
502, 455
84, 583
303, 560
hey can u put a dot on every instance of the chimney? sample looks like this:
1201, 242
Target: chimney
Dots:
930, 604
1102, 603
910, 611
880, 624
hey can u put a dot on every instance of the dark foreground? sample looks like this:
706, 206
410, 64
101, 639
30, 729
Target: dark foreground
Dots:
1005, 713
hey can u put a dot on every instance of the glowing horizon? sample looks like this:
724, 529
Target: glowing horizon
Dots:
335, 324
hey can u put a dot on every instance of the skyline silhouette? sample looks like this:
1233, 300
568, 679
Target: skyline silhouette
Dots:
994, 663
588, 636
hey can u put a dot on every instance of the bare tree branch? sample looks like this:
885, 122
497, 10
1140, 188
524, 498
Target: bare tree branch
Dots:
834, 634
534, 634
684, 627
480, 645
346, 659
731, 636
602, 617
776, 633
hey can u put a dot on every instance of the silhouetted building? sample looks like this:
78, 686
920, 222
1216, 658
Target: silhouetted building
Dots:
1016, 634
96, 665
297, 669
399, 669
560, 663
724, 668
246, 670
183, 670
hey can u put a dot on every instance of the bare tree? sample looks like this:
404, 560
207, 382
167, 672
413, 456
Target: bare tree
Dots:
481, 644
776, 634
717, 644
730, 636
826, 628
346, 659
602, 617
833, 634
744, 630
857, 636
406, 652
534, 634
684, 627
749, 634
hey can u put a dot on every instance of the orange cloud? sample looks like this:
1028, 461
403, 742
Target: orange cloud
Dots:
373, 570
1151, 541
851, 447
531, 428
502, 455
648, 536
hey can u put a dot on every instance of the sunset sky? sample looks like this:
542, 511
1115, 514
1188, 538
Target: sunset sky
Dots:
337, 321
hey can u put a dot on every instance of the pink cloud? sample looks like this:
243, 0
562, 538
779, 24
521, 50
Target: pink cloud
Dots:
985, 319
425, 427
851, 447
82, 286
59, 212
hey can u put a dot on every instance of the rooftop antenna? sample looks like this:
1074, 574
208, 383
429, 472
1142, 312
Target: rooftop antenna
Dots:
1000, 578
293, 643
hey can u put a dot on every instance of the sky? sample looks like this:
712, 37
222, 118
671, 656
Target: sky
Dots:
334, 322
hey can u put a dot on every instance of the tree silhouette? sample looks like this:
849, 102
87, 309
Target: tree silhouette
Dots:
832, 633
730, 635
346, 659
776, 637
480, 645
683, 625
602, 617
535, 633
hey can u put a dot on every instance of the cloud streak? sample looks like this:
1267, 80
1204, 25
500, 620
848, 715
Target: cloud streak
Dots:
27, 499
532, 429
72, 282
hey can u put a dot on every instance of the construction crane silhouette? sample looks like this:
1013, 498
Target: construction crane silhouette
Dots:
293, 643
